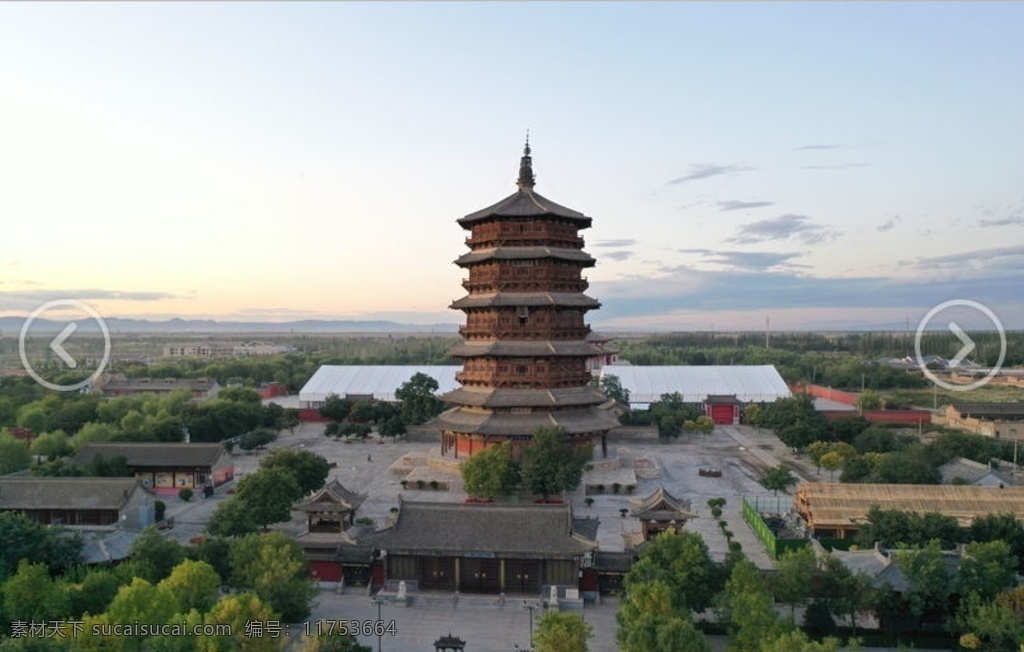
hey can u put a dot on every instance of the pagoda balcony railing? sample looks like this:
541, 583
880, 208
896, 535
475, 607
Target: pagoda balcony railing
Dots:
526, 285
514, 333
526, 240
535, 380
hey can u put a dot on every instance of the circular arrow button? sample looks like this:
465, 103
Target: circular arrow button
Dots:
61, 307
968, 347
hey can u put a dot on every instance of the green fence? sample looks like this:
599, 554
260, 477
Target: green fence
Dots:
775, 546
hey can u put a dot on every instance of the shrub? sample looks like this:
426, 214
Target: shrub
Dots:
589, 501
420, 484
599, 488
716, 512
623, 512
630, 488
404, 483
616, 487
364, 520
434, 485
723, 524
185, 494
734, 546
159, 509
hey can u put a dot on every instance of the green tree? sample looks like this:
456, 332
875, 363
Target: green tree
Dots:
869, 400
746, 606
832, 462
559, 631
194, 584
930, 579
418, 399
237, 611
32, 595
309, 469
268, 495
648, 621
21, 538
14, 454
612, 388
93, 594
273, 566
778, 477
986, 569
156, 554
551, 464
490, 473
797, 641
682, 562
335, 407
847, 593
52, 444
993, 623
1000, 527
794, 574
232, 518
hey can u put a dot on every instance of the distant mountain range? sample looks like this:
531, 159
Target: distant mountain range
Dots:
12, 326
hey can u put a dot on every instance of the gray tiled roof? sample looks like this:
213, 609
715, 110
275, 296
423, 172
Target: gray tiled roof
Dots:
565, 299
160, 384
525, 253
661, 506
65, 493
501, 397
972, 472
105, 547
333, 497
510, 424
525, 203
458, 528
153, 454
527, 348
991, 410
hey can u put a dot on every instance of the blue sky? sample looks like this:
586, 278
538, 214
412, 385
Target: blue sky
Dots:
830, 165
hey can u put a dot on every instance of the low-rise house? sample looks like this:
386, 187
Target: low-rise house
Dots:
199, 388
165, 467
1000, 420
79, 502
965, 471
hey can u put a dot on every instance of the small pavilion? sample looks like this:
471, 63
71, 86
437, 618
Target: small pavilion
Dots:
332, 509
661, 511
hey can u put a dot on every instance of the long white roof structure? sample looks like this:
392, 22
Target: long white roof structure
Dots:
750, 383
379, 380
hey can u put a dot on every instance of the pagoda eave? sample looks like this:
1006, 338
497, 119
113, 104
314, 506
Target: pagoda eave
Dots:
528, 299
516, 397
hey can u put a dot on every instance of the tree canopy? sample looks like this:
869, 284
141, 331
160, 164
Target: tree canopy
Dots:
551, 464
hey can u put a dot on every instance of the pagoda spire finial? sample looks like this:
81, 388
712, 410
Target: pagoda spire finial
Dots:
526, 180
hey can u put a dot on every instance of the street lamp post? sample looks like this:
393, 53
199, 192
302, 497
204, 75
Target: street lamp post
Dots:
529, 606
377, 625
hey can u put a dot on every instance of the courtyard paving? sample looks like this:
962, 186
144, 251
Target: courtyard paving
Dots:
740, 452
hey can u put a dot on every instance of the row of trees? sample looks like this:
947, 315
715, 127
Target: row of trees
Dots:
164, 582
417, 402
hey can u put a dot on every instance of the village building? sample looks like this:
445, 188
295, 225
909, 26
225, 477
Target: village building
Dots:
521, 549
79, 502
834, 510
525, 351
166, 467
1000, 420
964, 471
199, 388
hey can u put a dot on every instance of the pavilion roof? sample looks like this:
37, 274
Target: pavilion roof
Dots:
661, 506
333, 498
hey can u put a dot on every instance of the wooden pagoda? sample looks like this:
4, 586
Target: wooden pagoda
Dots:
525, 348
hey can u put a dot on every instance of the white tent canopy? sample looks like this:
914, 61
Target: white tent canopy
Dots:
380, 381
750, 383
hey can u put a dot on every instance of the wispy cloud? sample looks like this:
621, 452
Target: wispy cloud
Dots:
837, 166
617, 255
739, 205
92, 294
615, 243
994, 256
784, 227
709, 170
1000, 221
803, 148
751, 260
888, 224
